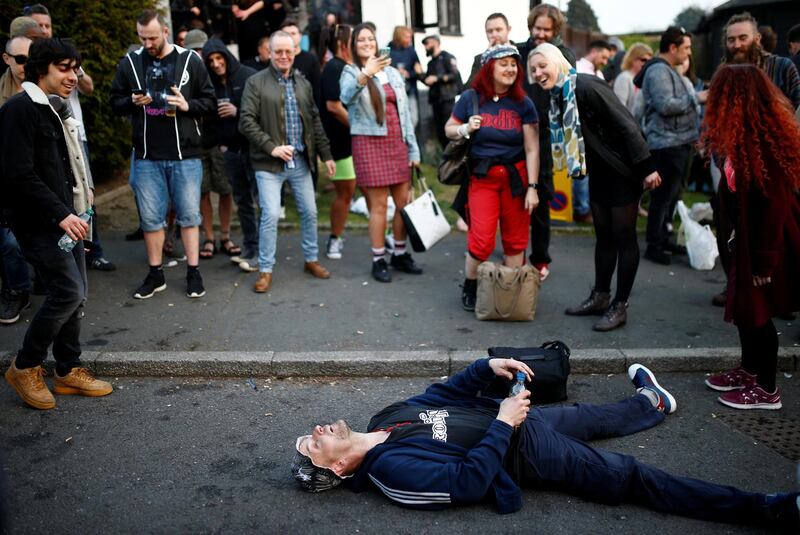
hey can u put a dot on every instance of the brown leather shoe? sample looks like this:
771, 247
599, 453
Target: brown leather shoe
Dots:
263, 282
80, 381
316, 269
30, 386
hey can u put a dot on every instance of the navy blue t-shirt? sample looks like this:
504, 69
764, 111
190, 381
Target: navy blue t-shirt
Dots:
500, 134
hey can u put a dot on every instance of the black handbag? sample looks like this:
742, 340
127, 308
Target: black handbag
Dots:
454, 167
550, 365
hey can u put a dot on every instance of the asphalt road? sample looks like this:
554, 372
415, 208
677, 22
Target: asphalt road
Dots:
670, 306
211, 456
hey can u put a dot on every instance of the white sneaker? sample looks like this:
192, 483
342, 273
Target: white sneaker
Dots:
335, 247
248, 265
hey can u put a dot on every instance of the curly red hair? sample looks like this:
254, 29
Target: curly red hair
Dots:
749, 121
484, 82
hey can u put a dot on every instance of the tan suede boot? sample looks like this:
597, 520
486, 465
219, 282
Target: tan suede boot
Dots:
30, 386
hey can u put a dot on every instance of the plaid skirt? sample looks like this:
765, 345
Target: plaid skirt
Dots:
382, 161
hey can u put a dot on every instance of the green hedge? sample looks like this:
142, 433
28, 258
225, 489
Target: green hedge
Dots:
102, 30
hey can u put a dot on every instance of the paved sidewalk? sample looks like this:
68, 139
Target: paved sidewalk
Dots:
352, 325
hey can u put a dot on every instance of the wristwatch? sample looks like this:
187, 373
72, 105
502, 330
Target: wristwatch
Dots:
535, 185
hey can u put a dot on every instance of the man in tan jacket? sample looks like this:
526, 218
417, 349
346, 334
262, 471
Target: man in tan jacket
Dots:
15, 56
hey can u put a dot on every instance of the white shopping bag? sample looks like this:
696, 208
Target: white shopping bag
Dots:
424, 219
701, 244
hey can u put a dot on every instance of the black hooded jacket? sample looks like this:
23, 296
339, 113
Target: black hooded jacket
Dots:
219, 131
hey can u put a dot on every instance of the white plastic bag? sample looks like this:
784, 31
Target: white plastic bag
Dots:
701, 211
701, 244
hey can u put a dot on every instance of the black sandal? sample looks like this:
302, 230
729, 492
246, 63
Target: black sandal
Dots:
229, 248
206, 252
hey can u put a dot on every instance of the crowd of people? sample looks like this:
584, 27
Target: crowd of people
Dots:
619, 123
202, 121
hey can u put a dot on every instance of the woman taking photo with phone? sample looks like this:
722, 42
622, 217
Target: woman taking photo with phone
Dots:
384, 144
589, 127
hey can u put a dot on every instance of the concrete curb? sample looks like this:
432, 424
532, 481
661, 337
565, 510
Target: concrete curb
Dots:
392, 363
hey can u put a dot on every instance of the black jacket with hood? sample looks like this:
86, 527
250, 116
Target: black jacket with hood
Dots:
196, 88
217, 131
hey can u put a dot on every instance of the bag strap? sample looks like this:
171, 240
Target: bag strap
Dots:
475, 110
557, 345
420, 182
515, 299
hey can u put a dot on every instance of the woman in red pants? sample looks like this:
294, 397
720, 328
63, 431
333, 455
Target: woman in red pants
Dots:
504, 159
751, 130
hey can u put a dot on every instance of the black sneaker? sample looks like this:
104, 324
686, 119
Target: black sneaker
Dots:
657, 255
405, 263
101, 264
154, 282
380, 271
469, 294
12, 303
136, 235
194, 284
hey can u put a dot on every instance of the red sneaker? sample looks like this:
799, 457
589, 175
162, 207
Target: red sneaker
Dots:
736, 379
752, 398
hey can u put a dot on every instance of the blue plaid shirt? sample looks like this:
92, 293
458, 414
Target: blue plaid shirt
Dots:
294, 124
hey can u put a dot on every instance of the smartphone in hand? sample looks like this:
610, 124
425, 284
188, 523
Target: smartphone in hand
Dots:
384, 51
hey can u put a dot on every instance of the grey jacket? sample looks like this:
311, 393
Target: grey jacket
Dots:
262, 120
670, 114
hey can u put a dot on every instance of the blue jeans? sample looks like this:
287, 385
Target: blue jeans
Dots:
245, 195
57, 321
156, 182
14, 269
269, 198
580, 196
558, 458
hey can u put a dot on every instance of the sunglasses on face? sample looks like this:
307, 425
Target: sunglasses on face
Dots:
19, 58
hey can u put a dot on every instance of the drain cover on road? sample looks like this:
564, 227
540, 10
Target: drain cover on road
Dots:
778, 434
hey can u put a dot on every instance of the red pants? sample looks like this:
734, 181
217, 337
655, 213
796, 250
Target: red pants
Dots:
489, 200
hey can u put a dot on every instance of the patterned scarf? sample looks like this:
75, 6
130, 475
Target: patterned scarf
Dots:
565, 127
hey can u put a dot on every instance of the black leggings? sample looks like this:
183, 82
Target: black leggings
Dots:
760, 353
616, 247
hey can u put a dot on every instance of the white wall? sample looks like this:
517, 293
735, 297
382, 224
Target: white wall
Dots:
386, 14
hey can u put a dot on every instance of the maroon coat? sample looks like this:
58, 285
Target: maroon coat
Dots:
767, 244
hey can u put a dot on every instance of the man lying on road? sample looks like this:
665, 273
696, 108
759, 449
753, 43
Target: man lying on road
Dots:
449, 446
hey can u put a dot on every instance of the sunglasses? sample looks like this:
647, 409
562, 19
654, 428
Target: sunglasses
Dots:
19, 58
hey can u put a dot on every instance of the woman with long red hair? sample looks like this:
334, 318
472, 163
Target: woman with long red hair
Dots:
504, 162
751, 131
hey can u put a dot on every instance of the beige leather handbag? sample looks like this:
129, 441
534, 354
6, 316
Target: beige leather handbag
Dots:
507, 294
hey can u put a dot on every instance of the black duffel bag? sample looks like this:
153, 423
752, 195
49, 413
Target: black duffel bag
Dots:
550, 365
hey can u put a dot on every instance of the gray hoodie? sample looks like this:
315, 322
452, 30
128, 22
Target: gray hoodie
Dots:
670, 114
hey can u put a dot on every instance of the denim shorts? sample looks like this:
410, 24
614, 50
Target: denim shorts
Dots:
156, 183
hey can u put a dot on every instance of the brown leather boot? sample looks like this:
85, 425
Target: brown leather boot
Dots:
594, 305
263, 283
30, 386
316, 269
615, 316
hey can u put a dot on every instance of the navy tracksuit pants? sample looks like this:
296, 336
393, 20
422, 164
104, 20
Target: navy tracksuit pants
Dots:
558, 459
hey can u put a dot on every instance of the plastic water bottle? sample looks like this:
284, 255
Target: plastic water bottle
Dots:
519, 386
66, 243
